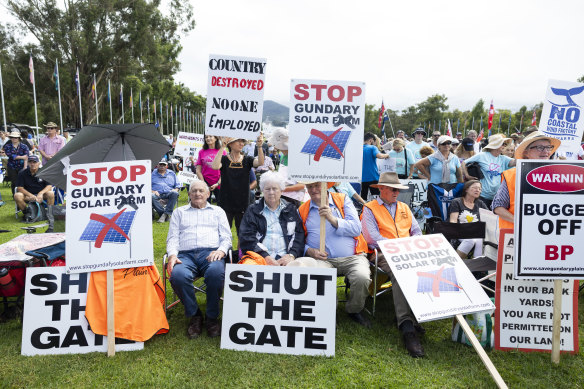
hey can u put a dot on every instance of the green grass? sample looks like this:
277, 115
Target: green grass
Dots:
364, 358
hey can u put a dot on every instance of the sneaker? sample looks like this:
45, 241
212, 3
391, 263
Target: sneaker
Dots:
162, 218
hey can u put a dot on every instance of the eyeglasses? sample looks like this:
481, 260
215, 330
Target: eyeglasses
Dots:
542, 148
436, 136
445, 143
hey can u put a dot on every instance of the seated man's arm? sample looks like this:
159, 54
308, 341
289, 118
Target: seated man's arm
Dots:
370, 228
350, 225
224, 235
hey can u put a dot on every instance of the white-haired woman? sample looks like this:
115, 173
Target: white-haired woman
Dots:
271, 227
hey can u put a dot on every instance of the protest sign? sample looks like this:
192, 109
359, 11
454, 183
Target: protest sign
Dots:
524, 307
326, 130
386, 165
186, 177
549, 210
54, 315
283, 310
433, 278
561, 116
189, 145
420, 188
235, 96
109, 216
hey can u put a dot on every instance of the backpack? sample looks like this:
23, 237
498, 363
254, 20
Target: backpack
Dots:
34, 212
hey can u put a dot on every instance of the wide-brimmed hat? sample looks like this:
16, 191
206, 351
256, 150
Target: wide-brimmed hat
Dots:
279, 139
389, 179
14, 134
534, 137
231, 140
51, 125
419, 130
496, 141
444, 138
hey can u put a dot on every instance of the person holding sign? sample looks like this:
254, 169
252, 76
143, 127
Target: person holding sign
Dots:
535, 146
204, 162
345, 248
378, 226
197, 243
271, 227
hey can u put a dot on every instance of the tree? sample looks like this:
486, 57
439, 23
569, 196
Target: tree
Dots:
432, 108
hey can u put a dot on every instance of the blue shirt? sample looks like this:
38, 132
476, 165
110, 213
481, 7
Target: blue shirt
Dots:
415, 149
339, 242
492, 167
436, 170
370, 171
166, 183
400, 161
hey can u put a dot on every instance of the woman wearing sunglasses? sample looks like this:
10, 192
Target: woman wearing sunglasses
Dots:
443, 167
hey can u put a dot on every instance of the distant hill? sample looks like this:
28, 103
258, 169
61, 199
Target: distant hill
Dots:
275, 113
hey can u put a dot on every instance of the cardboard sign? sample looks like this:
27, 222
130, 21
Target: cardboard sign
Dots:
54, 319
109, 216
326, 130
283, 310
549, 219
435, 281
420, 188
561, 115
386, 165
189, 145
186, 177
525, 308
235, 96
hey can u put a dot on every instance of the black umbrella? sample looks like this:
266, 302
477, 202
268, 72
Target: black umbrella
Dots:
105, 143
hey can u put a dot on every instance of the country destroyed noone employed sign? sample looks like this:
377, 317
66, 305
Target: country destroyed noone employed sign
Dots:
561, 115
549, 219
435, 281
235, 96
326, 130
54, 315
525, 307
109, 216
279, 310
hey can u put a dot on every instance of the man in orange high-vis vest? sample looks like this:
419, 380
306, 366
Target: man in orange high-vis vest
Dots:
535, 146
345, 248
387, 218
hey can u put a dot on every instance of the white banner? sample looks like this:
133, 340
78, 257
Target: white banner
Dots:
420, 188
109, 216
189, 145
186, 177
433, 278
54, 315
283, 310
326, 130
561, 115
525, 308
235, 96
386, 165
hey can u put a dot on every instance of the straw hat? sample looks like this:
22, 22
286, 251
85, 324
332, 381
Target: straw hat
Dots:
534, 137
14, 134
496, 141
389, 179
51, 125
231, 140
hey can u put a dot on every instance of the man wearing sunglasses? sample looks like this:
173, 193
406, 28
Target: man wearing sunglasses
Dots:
435, 136
376, 226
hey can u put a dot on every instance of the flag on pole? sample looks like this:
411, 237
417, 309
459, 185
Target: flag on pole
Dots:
93, 90
534, 118
379, 121
31, 68
121, 94
77, 80
131, 98
482, 132
490, 119
55, 76
108, 92
448, 128
385, 118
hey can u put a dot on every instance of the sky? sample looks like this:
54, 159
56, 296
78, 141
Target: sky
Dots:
405, 51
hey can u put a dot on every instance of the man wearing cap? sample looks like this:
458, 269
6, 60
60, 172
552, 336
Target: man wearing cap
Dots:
459, 136
376, 225
29, 188
492, 163
50, 144
535, 146
17, 153
419, 134
165, 186
370, 171
435, 136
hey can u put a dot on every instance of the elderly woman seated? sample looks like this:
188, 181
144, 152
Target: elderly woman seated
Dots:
271, 227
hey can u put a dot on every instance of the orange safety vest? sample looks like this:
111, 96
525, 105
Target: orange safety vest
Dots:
402, 223
339, 201
509, 177
138, 303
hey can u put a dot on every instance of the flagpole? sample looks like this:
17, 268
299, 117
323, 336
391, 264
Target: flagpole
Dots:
155, 119
79, 95
148, 103
122, 98
141, 119
32, 79
161, 118
2, 92
59, 95
167, 115
96, 109
171, 120
109, 93
132, 103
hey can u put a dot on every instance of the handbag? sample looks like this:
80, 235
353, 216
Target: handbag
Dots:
474, 169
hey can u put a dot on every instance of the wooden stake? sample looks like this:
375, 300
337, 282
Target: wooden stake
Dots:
323, 202
111, 333
557, 321
482, 354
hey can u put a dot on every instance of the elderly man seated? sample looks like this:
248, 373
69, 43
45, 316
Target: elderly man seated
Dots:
271, 227
400, 224
197, 243
345, 248
31, 188
165, 186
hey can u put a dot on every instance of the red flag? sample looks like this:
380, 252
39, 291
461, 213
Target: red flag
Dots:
480, 137
491, 113
534, 119
380, 120
449, 129
31, 69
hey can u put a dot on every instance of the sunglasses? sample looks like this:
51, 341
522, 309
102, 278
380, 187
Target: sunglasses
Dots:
542, 148
445, 143
436, 136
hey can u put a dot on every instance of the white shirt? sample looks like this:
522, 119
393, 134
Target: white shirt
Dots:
192, 228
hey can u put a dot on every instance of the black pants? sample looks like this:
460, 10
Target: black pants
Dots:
366, 187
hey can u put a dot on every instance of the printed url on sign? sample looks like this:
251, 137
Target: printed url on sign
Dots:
109, 265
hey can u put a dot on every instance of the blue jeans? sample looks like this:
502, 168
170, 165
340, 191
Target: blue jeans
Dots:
194, 264
172, 197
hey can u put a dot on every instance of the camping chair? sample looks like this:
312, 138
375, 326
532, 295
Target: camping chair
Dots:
198, 284
407, 195
439, 198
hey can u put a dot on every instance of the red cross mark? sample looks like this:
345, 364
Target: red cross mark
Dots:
107, 225
436, 279
326, 140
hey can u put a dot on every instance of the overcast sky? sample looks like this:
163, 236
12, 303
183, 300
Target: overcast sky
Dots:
404, 51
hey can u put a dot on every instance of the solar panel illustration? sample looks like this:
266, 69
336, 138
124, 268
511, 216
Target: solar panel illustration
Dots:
425, 283
314, 142
94, 227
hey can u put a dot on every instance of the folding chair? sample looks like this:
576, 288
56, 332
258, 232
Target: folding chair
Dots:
439, 198
407, 195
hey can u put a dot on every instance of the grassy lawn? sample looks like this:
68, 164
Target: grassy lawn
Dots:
364, 358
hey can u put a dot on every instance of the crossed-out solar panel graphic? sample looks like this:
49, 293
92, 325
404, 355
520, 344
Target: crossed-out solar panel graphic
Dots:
101, 228
436, 281
317, 138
